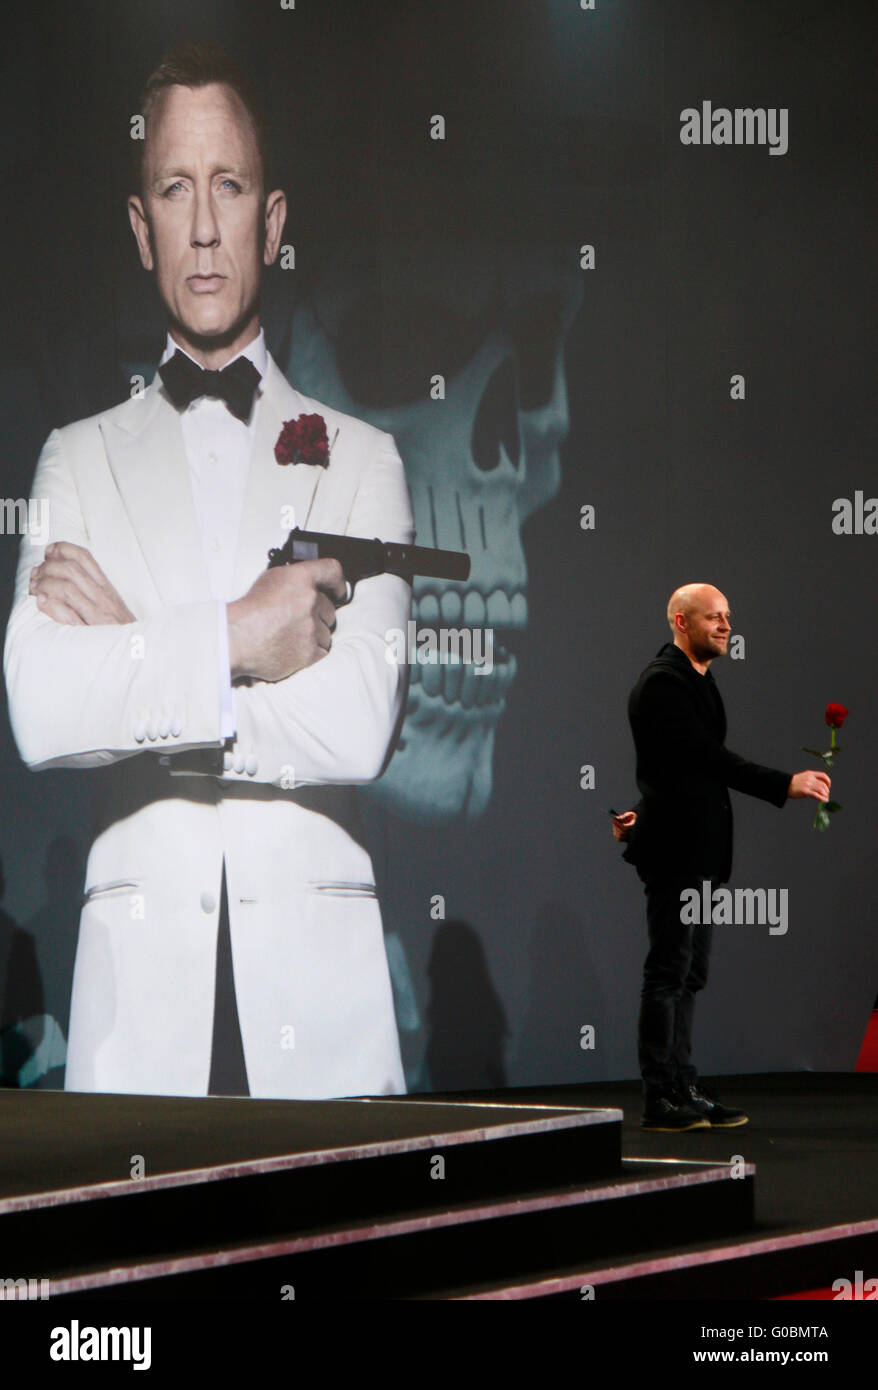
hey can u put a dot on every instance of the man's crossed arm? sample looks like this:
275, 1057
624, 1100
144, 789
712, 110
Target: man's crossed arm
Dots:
282, 624
80, 700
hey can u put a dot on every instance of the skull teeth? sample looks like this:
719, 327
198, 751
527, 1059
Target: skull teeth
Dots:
461, 685
471, 607
464, 686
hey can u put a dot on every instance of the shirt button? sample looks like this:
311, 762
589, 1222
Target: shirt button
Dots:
208, 902
211, 458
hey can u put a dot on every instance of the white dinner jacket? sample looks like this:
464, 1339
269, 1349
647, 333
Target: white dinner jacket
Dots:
139, 705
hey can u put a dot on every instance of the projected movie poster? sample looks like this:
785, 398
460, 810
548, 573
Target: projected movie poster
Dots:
600, 275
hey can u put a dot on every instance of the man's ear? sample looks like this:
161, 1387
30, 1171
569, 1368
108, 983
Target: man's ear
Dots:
275, 217
140, 227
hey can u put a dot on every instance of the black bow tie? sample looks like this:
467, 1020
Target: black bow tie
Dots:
236, 384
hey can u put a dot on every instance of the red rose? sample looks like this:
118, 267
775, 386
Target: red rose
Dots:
303, 440
314, 441
285, 449
836, 715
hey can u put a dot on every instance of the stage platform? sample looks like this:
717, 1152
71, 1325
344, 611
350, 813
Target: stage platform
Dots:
545, 1193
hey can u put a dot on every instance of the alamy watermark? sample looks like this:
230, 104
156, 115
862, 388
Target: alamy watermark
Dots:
739, 907
24, 1288
78, 1343
743, 125
856, 516
25, 516
856, 1288
429, 646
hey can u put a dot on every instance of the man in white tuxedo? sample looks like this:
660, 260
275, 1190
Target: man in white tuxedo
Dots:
224, 710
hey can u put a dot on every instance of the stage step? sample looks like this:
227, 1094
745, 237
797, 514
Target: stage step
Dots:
426, 1253
752, 1268
361, 1198
354, 1198
304, 1167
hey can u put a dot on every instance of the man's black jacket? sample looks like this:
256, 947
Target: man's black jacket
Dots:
684, 820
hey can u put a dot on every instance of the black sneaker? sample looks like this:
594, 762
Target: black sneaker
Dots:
671, 1115
717, 1116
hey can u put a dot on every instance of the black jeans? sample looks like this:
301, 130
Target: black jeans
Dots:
674, 972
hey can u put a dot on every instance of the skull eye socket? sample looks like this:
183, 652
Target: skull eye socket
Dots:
388, 347
496, 420
534, 325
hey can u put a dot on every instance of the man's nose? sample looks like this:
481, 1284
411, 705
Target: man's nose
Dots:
205, 227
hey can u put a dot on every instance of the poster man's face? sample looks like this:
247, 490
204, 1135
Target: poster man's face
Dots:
201, 224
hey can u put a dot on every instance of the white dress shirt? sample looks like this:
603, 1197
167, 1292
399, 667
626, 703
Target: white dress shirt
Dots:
218, 448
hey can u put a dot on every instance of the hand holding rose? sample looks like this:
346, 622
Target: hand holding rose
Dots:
813, 784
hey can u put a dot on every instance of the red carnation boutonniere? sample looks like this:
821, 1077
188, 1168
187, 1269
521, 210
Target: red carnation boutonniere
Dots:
304, 440
835, 715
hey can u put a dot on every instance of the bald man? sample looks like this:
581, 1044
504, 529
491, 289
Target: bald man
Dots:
681, 834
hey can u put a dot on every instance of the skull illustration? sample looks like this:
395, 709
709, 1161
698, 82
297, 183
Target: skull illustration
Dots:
478, 463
